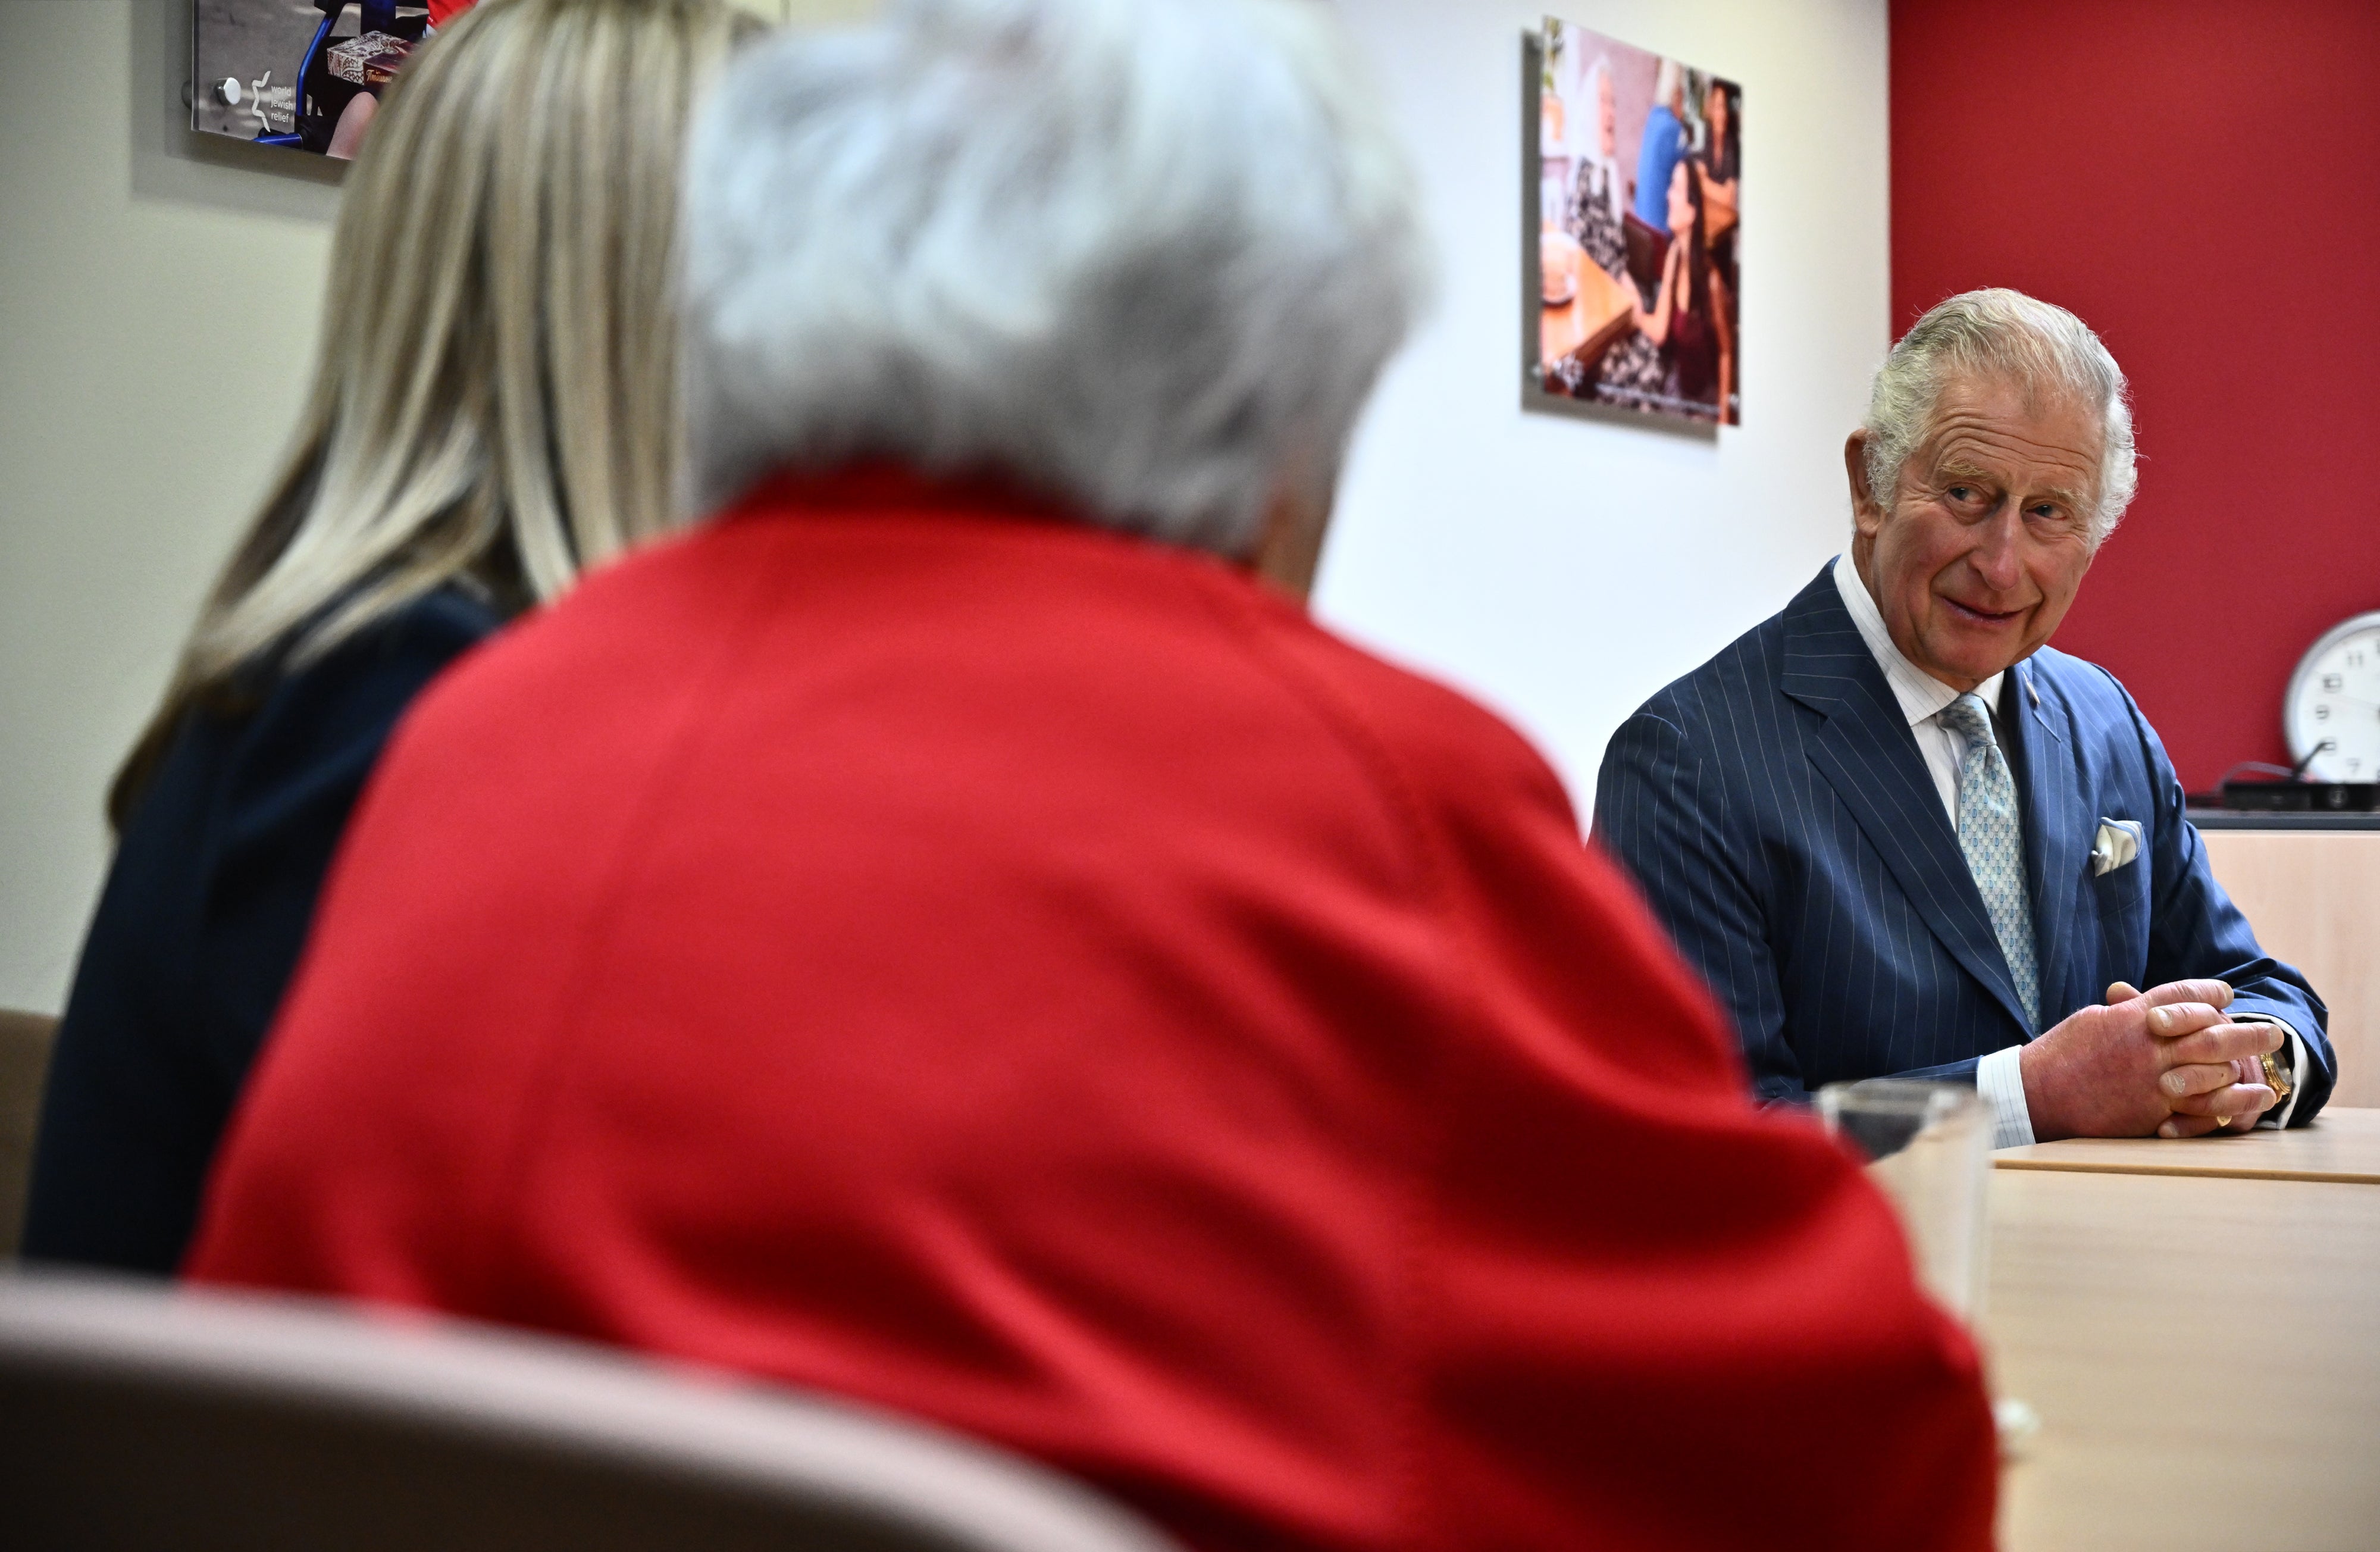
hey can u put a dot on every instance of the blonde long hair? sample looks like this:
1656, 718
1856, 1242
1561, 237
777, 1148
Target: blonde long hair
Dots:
495, 398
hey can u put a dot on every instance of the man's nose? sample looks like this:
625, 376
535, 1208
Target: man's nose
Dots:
1998, 557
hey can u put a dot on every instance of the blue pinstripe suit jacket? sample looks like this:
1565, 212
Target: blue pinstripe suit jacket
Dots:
1776, 810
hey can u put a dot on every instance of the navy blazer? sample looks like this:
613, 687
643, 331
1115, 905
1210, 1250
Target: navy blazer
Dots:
1775, 808
206, 907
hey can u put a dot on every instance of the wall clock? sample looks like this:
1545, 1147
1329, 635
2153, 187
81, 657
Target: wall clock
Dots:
2332, 711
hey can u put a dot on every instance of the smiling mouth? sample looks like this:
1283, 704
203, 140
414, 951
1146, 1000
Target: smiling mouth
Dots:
1981, 616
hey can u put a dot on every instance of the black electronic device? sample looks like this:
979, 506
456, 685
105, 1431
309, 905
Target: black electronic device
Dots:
2283, 796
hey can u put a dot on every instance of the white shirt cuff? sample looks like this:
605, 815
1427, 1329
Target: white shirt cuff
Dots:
2001, 1080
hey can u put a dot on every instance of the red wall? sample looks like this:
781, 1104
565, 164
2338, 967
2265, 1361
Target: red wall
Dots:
2200, 181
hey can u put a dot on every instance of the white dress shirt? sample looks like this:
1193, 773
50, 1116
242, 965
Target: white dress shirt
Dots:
1923, 698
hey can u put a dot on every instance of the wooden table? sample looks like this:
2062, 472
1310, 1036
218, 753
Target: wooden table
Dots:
2191, 1398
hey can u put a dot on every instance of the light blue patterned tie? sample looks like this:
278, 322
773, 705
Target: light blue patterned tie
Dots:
1987, 834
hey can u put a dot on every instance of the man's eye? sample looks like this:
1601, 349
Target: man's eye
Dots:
1961, 492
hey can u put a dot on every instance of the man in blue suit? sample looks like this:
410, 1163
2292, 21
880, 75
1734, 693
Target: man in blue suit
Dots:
1901, 836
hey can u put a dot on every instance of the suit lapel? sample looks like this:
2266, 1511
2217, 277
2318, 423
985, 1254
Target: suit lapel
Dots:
1869, 756
2050, 790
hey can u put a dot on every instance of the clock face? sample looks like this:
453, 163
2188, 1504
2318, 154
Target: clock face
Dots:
2333, 701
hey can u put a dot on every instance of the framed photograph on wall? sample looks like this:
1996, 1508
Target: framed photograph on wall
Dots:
1636, 165
304, 74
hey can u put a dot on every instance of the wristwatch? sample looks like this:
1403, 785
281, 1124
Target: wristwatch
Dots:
2275, 1078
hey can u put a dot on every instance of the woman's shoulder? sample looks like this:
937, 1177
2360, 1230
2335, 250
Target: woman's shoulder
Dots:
406, 645
255, 782
327, 714
427, 631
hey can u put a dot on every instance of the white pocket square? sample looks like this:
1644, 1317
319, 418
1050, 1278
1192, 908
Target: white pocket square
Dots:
2117, 844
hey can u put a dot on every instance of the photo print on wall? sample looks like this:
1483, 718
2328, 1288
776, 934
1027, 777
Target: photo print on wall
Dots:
305, 74
1637, 164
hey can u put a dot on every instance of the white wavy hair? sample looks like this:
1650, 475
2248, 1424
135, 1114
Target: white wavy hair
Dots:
1149, 255
2005, 335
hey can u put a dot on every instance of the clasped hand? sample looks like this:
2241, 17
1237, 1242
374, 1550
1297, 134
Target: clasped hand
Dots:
2167, 1060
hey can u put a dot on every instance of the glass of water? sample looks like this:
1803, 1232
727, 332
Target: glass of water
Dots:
1929, 1146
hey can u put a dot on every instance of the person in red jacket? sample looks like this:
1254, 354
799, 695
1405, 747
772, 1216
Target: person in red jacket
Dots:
952, 931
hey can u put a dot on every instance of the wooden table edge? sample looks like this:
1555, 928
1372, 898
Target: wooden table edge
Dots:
2319, 1177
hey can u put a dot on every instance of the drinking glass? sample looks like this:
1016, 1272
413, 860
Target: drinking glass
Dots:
1929, 1146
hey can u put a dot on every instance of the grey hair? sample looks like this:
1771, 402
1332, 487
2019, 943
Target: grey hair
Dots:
1591, 87
1147, 255
1668, 82
2008, 335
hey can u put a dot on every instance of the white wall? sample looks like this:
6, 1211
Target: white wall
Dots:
157, 316
158, 296
1563, 569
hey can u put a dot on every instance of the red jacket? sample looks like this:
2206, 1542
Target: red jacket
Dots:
900, 941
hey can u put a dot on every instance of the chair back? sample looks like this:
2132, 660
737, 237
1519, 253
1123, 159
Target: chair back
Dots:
25, 1040
1648, 250
136, 1415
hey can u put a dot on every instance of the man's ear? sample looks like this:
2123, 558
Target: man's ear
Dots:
1867, 512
